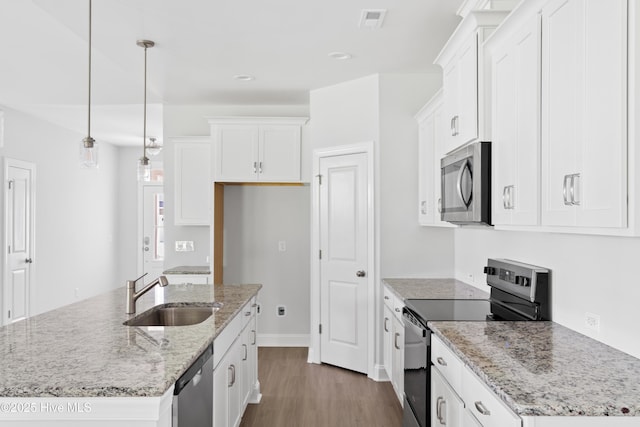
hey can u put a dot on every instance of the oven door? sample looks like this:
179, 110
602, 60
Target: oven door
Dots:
416, 370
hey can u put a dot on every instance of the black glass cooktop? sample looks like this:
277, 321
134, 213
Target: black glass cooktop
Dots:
450, 309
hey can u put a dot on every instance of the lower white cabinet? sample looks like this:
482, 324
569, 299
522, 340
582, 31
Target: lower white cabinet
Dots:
189, 279
393, 341
446, 406
459, 398
235, 377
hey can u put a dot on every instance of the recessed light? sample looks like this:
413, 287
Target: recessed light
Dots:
340, 55
244, 77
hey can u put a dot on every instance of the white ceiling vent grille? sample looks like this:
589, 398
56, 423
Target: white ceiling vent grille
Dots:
372, 18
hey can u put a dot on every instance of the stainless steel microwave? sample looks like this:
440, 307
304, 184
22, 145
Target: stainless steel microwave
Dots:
466, 185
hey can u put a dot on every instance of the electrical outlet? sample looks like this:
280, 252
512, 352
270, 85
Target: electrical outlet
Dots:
184, 246
281, 310
592, 321
282, 246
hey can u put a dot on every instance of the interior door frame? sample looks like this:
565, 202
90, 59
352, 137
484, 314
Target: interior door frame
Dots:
140, 258
8, 162
366, 148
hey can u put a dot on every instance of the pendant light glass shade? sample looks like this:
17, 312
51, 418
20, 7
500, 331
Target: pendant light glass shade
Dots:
88, 147
153, 148
144, 166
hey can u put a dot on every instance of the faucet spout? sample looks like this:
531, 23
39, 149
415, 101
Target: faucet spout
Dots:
132, 295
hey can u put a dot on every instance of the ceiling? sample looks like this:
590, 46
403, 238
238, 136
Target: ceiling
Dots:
200, 46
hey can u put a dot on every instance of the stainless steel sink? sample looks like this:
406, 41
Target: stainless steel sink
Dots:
175, 315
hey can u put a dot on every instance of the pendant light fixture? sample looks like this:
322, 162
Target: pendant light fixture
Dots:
88, 147
144, 166
154, 147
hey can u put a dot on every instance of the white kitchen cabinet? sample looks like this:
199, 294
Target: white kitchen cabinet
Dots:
446, 405
584, 113
393, 340
189, 279
430, 150
397, 358
514, 51
192, 180
256, 149
466, 103
235, 375
459, 398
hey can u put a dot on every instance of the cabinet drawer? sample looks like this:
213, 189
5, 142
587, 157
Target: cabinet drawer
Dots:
484, 404
223, 341
248, 311
446, 362
388, 297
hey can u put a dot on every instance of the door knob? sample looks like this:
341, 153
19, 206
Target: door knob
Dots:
360, 273
28, 260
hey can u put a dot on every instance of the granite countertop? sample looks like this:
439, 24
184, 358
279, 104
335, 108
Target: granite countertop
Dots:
188, 269
83, 349
545, 369
434, 289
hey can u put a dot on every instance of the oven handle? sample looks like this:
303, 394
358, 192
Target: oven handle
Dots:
409, 322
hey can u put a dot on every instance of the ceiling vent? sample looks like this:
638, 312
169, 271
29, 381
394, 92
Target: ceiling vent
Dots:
372, 18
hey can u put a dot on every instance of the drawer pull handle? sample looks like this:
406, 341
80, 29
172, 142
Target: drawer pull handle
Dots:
398, 310
441, 361
386, 297
481, 408
395, 341
441, 418
386, 328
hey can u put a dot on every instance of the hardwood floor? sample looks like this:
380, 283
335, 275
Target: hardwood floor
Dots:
298, 394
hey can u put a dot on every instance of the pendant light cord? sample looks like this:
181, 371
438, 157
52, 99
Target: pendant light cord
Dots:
144, 131
89, 91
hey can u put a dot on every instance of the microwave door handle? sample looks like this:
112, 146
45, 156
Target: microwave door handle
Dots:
464, 167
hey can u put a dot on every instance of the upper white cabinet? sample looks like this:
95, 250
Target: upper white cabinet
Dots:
430, 150
584, 111
256, 149
466, 103
192, 172
514, 51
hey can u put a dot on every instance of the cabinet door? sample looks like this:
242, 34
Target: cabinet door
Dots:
584, 113
467, 111
387, 330
426, 146
192, 162
221, 384
227, 388
515, 138
450, 105
279, 153
446, 406
252, 371
236, 153
397, 357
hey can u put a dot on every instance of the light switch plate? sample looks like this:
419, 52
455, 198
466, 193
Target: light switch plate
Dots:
184, 246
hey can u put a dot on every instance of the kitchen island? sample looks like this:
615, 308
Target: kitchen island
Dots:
80, 364
547, 374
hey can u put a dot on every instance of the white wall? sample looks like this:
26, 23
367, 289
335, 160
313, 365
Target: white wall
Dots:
592, 274
76, 223
128, 213
406, 248
190, 120
256, 219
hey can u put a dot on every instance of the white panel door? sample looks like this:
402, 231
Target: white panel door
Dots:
343, 266
153, 244
467, 121
19, 214
192, 183
279, 153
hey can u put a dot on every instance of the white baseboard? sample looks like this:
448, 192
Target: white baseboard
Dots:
379, 373
283, 340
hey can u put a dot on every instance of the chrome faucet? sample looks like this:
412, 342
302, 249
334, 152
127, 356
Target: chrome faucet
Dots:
132, 295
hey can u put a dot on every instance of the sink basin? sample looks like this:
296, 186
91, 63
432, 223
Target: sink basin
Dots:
175, 315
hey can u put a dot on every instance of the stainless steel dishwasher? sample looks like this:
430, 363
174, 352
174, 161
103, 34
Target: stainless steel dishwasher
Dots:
193, 394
